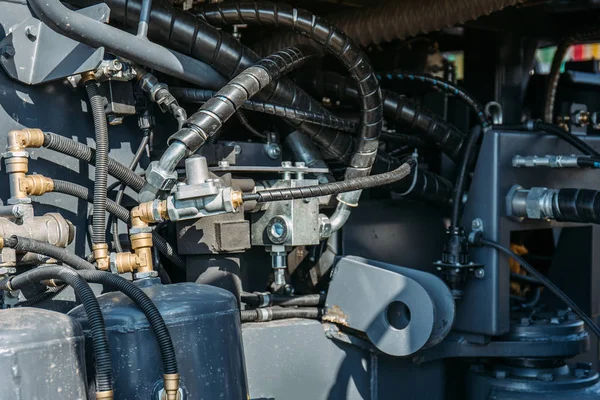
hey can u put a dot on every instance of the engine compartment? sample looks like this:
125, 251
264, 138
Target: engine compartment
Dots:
314, 200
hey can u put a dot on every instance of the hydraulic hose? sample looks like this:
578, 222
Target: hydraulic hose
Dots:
348, 185
83, 193
446, 86
270, 314
346, 51
398, 108
85, 153
462, 176
43, 296
577, 205
390, 20
587, 34
269, 299
318, 118
104, 378
35, 246
206, 123
191, 35
137, 295
568, 137
101, 170
426, 186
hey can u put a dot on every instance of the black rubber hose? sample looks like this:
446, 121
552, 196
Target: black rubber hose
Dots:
348, 185
270, 314
269, 299
398, 108
243, 120
404, 139
428, 186
83, 193
524, 278
101, 165
104, 378
350, 55
545, 281
568, 137
85, 153
588, 162
318, 118
157, 323
35, 246
577, 205
446, 86
207, 122
191, 35
43, 296
462, 176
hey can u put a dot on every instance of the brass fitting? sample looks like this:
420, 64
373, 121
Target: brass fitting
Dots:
36, 185
106, 395
143, 214
101, 255
236, 199
126, 262
19, 140
1, 242
141, 244
171, 382
86, 77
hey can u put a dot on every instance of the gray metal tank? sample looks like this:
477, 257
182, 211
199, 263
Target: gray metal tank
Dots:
41, 356
204, 322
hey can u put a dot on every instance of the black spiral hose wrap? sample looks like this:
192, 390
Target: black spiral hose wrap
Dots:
318, 118
104, 378
83, 193
137, 295
206, 123
345, 186
351, 56
101, 170
398, 108
85, 153
188, 34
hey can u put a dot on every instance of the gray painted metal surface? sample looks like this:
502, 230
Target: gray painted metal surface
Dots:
42, 55
41, 356
401, 311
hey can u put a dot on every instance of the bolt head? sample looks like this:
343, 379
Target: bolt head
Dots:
479, 273
116, 65
476, 223
273, 151
238, 149
223, 163
301, 164
31, 32
8, 52
286, 164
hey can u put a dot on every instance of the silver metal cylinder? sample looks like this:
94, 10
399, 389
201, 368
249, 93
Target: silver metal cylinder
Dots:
559, 161
196, 170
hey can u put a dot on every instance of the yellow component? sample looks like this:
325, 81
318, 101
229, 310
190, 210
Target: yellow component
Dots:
236, 199
141, 244
171, 382
1, 242
36, 185
126, 262
101, 255
142, 215
106, 395
515, 267
86, 77
19, 140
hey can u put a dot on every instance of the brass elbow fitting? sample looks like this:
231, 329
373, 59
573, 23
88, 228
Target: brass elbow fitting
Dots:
19, 140
171, 382
141, 259
151, 211
36, 185
106, 395
126, 262
101, 255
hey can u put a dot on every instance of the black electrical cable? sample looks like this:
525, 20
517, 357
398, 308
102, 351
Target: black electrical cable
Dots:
348, 185
101, 165
588, 162
121, 213
243, 120
157, 323
553, 130
545, 281
269, 299
524, 278
35, 246
119, 197
446, 86
104, 378
318, 118
460, 185
85, 153
270, 314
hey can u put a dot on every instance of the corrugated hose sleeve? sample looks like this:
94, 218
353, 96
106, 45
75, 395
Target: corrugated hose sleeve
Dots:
333, 188
104, 378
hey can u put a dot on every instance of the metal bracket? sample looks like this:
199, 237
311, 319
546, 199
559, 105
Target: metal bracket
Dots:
33, 53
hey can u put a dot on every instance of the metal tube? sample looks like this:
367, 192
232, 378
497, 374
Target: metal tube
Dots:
144, 18
137, 49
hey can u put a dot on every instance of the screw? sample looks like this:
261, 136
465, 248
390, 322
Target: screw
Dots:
238, 149
8, 52
273, 151
31, 32
116, 65
476, 224
300, 175
223, 164
18, 211
286, 164
479, 273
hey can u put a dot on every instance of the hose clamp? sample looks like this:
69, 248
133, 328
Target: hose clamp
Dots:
264, 314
